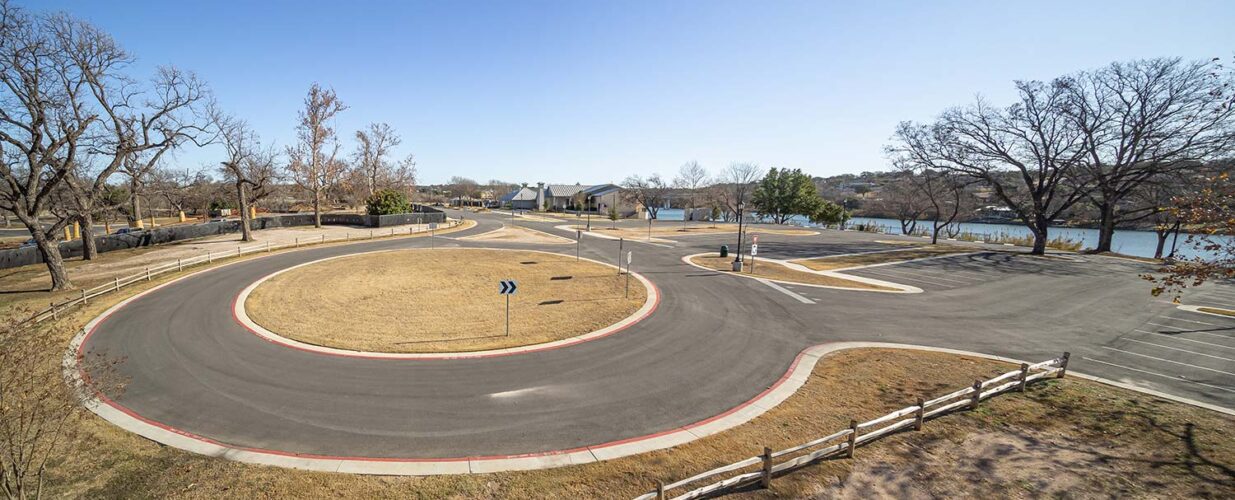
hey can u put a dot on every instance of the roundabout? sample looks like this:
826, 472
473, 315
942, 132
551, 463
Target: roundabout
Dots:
701, 351
441, 301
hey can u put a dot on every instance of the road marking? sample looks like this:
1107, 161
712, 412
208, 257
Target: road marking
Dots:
1172, 377
785, 291
1191, 331
1165, 326
1199, 342
1188, 320
918, 271
896, 277
1180, 350
1168, 361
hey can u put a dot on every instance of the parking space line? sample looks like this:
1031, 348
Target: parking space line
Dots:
786, 291
1165, 326
895, 277
1197, 341
1180, 350
1172, 377
943, 274
1188, 320
1168, 361
923, 275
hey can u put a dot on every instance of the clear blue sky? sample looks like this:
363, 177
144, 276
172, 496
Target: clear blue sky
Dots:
591, 91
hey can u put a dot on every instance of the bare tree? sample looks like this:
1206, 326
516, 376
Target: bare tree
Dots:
1027, 153
650, 192
735, 185
463, 188
39, 406
946, 197
249, 167
691, 177
1141, 119
903, 199
313, 162
371, 160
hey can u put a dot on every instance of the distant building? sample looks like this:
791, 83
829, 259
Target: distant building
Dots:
563, 197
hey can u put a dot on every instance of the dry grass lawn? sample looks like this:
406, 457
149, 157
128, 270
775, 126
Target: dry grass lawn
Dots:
1064, 438
775, 271
520, 234
442, 300
865, 259
671, 229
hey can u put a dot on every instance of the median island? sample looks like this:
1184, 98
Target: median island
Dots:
779, 272
442, 300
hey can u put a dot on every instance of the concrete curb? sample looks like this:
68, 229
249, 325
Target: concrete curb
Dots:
238, 312
832, 274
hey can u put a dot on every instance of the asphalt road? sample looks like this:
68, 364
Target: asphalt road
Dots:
714, 342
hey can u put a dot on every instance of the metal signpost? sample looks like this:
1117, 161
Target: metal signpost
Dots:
578, 236
508, 288
432, 227
629, 257
620, 241
754, 250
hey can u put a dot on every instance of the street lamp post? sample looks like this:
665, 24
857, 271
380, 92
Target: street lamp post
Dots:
737, 262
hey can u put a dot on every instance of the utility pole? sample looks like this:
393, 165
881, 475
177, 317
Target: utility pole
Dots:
737, 262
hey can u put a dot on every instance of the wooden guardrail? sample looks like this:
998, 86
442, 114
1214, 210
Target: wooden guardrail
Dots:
762, 468
56, 308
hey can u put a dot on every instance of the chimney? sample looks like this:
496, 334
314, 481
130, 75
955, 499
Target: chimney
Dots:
540, 196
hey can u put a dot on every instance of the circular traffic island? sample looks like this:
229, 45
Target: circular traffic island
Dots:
444, 300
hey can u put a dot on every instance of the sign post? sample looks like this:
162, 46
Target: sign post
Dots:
629, 257
578, 236
620, 241
508, 288
432, 228
754, 250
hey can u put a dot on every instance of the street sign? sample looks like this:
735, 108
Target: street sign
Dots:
754, 240
432, 226
629, 256
508, 287
754, 250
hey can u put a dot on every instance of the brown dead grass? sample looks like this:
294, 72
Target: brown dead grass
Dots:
520, 234
1063, 438
864, 259
671, 229
442, 300
775, 271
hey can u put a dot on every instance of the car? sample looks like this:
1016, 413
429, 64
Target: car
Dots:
218, 219
128, 230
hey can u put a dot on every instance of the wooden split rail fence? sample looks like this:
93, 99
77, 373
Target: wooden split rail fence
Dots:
56, 308
762, 468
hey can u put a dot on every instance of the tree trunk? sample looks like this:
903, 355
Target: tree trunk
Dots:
1106, 227
1039, 229
89, 250
1162, 234
935, 232
246, 232
1174, 240
317, 208
50, 251
135, 203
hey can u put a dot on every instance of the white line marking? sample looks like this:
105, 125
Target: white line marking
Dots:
1180, 350
897, 277
1169, 361
1165, 326
921, 274
1188, 320
1228, 337
785, 291
1172, 377
1200, 342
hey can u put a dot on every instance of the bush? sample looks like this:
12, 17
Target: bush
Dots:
388, 201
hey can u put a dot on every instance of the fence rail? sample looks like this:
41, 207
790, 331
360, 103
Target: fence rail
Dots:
845, 441
56, 308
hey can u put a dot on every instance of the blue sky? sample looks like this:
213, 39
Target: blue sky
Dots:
589, 91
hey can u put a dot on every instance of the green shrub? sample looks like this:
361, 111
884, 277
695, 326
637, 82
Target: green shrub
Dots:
388, 201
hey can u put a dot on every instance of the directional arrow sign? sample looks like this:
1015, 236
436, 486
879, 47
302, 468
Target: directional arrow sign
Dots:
754, 249
508, 287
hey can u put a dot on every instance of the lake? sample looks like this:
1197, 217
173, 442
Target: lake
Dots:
1129, 242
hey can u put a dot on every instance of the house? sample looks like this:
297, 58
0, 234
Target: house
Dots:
569, 197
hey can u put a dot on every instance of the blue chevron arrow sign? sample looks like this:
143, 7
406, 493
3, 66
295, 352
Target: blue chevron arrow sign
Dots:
509, 287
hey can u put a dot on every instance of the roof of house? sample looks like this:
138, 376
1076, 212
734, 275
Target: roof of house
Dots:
601, 189
563, 190
521, 194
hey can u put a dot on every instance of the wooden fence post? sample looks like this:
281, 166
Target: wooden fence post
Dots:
1024, 377
238, 252
766, 479
209, 258
83, 298
117, 284
179, 265
1063, 366
267, 246
147, 274
853, 438
660, 490
921, 415
977, 395
53, 309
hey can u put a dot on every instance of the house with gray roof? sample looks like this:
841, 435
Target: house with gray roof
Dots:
568, 197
